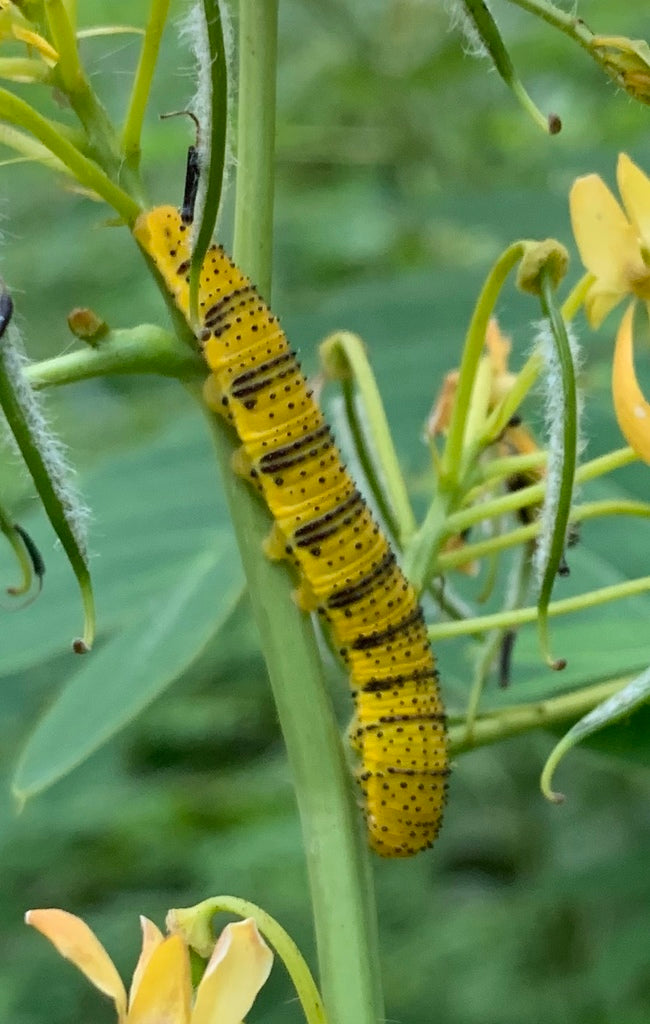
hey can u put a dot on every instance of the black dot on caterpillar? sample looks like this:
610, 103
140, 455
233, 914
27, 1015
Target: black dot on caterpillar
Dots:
322, 525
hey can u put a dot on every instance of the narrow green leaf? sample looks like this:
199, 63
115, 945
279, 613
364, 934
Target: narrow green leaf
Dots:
123, 677
612, 710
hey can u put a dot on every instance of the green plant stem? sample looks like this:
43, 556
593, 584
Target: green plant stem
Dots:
256, 139
21, 69
573, 27
33, 449
579, 513
195, 924
87, 173
370, 430
452, 466
517, 593
335, 844
142, 82
532, 495
521, 718
17, 544
142, 349
74, 83
504, 619
336, 852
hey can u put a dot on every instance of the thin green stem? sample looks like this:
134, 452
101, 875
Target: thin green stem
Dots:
253, 235
35, 446
24, 69
69, 69
517, 593
371, 432
490, 36
460, 521
576, 297
195, 925
365, 459
142, 82
73, 82
521, 718
572, 26
17, 544
452, 460
500, 620
579, 513
17, 112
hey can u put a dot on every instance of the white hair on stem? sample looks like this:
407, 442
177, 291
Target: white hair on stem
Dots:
459, 18
50, 447
193, 27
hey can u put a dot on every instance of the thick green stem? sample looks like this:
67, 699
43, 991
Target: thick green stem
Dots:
142, 349
335, 843
337, 858
256, 139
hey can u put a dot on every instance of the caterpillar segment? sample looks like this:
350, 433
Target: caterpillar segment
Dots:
322, 525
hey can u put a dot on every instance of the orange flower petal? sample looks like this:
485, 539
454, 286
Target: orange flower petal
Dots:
634, 187
76, 942
606, 240
632, 410
239, 966
152, 937
164, 993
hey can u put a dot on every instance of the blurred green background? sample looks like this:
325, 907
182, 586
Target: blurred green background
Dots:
404, 168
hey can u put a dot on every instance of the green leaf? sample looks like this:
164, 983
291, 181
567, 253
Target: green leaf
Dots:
153, 510
119, 680
622, 704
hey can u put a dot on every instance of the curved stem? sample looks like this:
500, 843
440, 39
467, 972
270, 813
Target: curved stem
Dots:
16, 111
142, 82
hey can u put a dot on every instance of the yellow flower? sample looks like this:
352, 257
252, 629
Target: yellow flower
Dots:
161, 989
614, 245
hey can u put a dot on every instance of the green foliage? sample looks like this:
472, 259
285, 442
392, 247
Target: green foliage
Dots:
403, 169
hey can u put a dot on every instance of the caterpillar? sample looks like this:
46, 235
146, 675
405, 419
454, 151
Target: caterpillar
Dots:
347, 570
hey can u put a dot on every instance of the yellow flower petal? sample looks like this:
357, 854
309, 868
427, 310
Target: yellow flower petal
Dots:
239, 966
76, 942
634, 187
164, 994
599, 301
606, 240
632, 410
152, 937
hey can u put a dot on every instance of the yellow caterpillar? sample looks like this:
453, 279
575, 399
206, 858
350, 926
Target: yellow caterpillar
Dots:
347, 570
